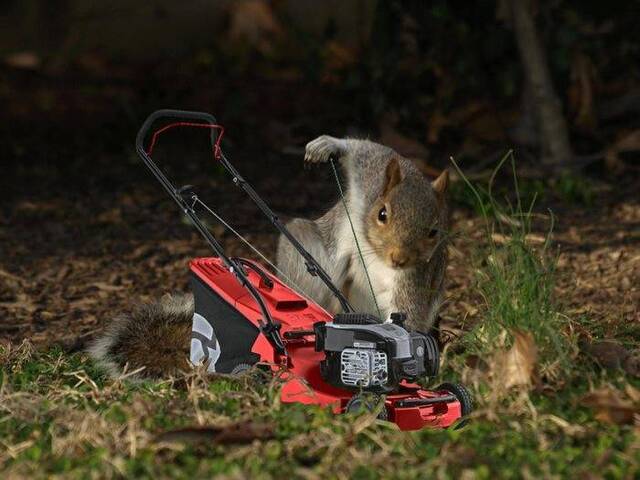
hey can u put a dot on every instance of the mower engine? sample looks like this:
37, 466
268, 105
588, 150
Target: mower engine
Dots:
363, 354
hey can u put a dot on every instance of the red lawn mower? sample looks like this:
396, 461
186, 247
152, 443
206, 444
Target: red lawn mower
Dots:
245, 315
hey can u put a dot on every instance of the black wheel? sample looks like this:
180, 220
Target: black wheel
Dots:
463, 396
363, 402
240, 369
432, 356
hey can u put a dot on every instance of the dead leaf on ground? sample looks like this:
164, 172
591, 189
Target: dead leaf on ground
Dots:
469, 309
23, 60
516, 366
610, 406
113, 215
530, 238
633, 393
237, 433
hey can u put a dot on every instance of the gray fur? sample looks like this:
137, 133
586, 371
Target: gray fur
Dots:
418, 290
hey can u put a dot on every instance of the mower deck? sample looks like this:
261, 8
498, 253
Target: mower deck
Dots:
411, 408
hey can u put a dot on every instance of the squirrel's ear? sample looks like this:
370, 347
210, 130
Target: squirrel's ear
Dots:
393, 176
441, 183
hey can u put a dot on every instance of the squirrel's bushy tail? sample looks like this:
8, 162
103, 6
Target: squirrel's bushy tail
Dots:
155, 335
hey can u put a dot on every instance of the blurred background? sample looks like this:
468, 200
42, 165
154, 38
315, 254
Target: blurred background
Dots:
557, 81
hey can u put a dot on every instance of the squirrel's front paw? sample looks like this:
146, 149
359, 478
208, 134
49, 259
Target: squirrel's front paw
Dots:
322, 149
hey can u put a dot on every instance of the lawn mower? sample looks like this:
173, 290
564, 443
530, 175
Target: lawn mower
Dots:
246, 315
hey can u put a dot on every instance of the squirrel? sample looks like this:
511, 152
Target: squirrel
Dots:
401, 222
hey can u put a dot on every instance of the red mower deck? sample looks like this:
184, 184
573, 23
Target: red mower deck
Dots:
303, 382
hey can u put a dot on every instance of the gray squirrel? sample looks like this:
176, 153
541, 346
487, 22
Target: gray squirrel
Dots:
401, 222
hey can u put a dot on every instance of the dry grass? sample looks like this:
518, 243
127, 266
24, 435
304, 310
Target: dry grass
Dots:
58, 416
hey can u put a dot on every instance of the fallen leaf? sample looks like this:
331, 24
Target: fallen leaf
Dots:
516, 366
24, 60
470, 310
106, 287
610, 406
530, 239
632, 393
113, 215
238, 433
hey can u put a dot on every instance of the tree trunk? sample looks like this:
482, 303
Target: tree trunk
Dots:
554, 138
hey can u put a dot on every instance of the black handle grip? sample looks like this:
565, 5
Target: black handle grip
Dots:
172, 114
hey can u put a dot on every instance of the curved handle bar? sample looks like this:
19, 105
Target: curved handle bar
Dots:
172, 114
313, 266
201, 119
180, 196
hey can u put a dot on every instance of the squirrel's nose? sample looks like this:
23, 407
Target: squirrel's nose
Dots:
398, 258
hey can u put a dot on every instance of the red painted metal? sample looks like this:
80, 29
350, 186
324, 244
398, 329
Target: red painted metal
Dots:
300, 368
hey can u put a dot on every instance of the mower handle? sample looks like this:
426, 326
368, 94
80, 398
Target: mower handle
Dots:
313, 267
270, 329
176, 115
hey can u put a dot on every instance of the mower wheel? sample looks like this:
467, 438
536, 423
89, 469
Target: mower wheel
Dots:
240, 369
362, 402
432, 356
464, 397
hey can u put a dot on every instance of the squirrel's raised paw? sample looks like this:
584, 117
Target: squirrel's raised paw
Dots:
322, 149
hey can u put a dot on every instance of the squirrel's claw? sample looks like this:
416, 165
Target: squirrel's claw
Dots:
322, 149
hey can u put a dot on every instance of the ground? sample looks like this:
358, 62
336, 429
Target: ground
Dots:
85, 232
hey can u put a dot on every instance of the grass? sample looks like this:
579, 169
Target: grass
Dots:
61, 417
515, 272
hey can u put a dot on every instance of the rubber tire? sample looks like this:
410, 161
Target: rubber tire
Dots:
240, 369
367, 401
432, 356
464, 397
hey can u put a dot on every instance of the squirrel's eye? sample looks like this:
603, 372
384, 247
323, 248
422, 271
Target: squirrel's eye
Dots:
433, 232
382, 215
